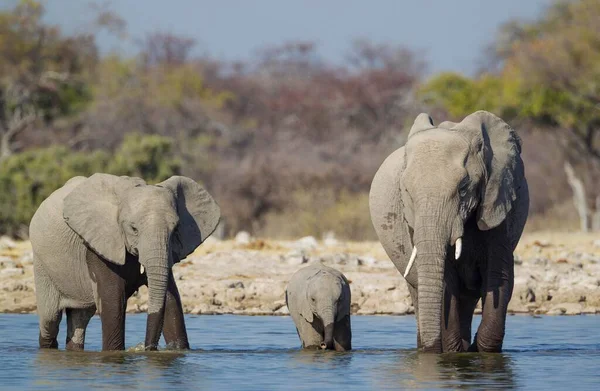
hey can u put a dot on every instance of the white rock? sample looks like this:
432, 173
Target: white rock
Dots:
12, 271
7, 262
329, 239
566, 309
243, 237
283, 311
6, 242
366, 261
306, 243
295, 257
27, 258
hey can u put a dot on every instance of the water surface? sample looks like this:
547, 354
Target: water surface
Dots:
262, 353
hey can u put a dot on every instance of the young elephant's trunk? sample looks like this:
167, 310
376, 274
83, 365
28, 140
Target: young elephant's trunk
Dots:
328, 318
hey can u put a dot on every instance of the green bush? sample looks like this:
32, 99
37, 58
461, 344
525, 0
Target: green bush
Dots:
27, 178
146, 156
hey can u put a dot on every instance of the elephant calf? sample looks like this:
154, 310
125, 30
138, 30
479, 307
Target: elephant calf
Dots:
318, 298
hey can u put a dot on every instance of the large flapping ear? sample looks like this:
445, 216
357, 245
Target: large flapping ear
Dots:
91, 210
198, 212
422, 122
504, 166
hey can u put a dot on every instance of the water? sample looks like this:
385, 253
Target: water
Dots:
262, 353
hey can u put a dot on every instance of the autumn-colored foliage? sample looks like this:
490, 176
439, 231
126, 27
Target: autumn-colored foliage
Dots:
287, 142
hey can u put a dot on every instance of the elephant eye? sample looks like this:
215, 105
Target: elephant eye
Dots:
134, 230
463, 187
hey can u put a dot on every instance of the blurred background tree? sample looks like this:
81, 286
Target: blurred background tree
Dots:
287, 141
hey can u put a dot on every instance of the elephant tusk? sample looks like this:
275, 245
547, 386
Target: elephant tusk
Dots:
141, 269
411, 261
458, 248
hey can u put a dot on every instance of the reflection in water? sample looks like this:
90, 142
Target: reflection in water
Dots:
254, 353
127, 369
454, 370
332, 359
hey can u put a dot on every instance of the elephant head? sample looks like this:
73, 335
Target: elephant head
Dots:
161, 224
326, 299
453, 174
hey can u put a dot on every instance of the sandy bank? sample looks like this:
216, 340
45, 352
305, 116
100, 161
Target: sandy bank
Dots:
556, 273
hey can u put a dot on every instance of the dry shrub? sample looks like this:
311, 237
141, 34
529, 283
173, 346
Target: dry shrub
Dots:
317, 211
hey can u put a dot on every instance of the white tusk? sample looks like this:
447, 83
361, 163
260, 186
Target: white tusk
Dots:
411, 261
141, 269
458, 248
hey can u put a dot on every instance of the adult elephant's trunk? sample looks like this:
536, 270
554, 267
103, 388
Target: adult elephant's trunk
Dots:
431, 240
328, 317
156, 262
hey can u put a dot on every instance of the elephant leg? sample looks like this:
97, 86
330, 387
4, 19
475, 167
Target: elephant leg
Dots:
111, 301
466, 309
452, 340
48, 307
77, 321
174, 326
415, 299
342, 335
310, 337
498, 286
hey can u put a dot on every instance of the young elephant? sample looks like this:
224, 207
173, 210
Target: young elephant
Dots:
91, 236
318, 298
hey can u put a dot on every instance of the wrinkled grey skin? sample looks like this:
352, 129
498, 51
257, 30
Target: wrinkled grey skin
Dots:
89, 239
318, 298
457, 180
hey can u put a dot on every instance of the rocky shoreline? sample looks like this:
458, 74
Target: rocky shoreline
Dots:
555, 274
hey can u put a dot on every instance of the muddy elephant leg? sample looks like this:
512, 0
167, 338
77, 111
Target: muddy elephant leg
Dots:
174, 325
414, 297
497, 292
49, 311
77, 321
111, 300
342, 335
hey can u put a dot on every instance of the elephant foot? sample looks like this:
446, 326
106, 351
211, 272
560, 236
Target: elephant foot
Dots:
73, 346
48, 343
178, 345
486, 345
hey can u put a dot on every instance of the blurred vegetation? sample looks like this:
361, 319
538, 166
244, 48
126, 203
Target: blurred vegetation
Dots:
27, 178
286, 142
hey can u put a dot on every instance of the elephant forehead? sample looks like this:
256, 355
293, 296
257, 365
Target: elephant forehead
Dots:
440, 143
149, 200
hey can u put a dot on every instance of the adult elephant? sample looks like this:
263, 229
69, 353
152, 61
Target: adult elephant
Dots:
449, 208
89, 239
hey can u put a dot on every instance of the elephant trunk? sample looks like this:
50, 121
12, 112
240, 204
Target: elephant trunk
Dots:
431, 241
156, 262
328, 317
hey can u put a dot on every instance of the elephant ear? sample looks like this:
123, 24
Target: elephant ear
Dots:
304, 307
91, 210
504, 167
198, 212
345, 298
422, 122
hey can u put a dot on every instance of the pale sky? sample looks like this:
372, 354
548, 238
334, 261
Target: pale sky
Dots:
452, 34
